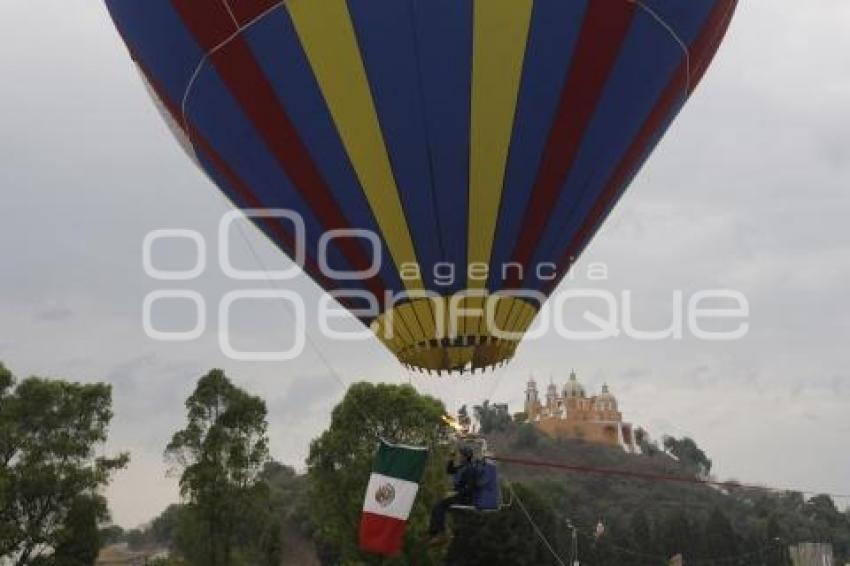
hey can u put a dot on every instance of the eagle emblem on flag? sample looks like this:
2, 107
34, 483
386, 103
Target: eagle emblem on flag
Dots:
385, 495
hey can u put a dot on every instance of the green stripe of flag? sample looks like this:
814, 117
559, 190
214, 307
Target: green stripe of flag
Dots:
402, 462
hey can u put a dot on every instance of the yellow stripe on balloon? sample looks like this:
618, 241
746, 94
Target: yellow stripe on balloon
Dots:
500, 36
499, 39
327, 35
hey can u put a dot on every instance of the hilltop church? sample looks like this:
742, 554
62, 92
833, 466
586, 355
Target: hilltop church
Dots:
570, 413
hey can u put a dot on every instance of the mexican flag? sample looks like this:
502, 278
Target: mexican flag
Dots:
389, 498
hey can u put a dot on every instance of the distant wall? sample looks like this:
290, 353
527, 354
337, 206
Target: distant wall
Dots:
812, 554
589, 431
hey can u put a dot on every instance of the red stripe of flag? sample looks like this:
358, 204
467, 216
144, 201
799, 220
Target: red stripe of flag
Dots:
380, 534
243, 76
605, 27
702, 51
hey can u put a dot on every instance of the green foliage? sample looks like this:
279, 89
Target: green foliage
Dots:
648, 447
527, 436
503, 537
50, 475
288, 497
689, 454
112, 534
81, 541
165, 529
222, 452
646, 522
340, 462
492, 418
678, 534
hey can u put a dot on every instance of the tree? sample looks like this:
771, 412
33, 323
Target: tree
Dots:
648, 447
776, 544
504, 537
642, 540
678, 536
492, 418
50, 478
340, 461
822, 508
112, 534
527, 436
689, 454
221, 452
165, 529
719, 540
81, 538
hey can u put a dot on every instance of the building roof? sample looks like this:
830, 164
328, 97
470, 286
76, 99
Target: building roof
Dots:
573, 388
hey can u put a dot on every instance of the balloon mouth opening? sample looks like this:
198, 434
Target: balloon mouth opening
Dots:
443, 335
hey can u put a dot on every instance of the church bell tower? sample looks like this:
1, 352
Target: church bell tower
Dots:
532, 401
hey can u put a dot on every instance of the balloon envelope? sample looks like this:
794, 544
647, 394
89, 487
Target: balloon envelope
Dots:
447, 159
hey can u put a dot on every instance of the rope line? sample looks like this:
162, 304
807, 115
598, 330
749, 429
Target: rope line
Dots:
652, 477
203, 61
676, 37
533, 524
760, 551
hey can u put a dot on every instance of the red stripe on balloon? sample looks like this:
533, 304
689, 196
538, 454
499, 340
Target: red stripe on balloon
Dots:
283, 239
703, 54
605, 27
246, 11
244, 78
217, 23
702, 51
280, 236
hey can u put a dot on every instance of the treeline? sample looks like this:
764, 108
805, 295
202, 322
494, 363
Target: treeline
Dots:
238, 507
51, 477
280, 529
647, 521
603, 520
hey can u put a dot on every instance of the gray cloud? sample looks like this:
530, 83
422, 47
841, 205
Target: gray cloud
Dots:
57, 314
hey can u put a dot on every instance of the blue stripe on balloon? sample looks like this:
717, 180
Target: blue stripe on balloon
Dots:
222, 122
173, 57
172, 60
555, 28
221, 181
443, 31
685, 18
388, 46
278, 51
648, 61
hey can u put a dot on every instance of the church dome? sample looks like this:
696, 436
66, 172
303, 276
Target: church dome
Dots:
605, 400
573, 388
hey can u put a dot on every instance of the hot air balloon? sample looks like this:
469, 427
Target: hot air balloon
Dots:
481, 143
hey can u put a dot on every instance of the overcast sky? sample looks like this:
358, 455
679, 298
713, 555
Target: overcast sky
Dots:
750, 190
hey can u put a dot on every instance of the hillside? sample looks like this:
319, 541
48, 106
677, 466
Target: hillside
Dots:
645, 520
611, 508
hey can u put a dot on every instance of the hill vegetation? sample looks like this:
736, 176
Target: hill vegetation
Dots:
602, 518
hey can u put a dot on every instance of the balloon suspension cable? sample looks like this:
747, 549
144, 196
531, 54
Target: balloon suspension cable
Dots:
674, 34
537, 530
203, 61
287, 310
